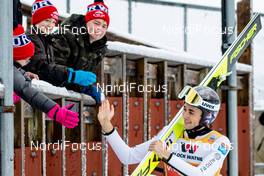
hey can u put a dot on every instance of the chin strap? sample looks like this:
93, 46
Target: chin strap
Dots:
197, 131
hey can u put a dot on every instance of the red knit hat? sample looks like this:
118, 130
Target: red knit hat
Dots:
22, 45
42, 10
97, 10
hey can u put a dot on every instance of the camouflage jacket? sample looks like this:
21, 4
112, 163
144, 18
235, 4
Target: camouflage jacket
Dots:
74, 49
42, 63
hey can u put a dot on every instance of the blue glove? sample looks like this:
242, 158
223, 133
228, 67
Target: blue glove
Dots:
94, 92
80, 77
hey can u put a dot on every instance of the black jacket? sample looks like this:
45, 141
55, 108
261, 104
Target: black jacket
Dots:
42, 63
74, 49
22, 87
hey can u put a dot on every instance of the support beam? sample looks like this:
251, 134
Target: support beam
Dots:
243, 17
105, 160
244, 12
125, 110
22, 135
130, 16
165, 94
185, 28
142, 71
68, 6
6, 77
63, 140
43, 140
228, 20
83, 139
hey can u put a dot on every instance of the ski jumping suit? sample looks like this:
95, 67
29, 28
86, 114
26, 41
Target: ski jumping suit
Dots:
196, 153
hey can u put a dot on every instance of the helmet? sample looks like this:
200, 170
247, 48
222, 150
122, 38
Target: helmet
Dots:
204, 98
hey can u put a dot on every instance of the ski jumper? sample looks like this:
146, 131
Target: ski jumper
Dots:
199, 153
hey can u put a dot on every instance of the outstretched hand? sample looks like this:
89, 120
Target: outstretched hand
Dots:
105, 114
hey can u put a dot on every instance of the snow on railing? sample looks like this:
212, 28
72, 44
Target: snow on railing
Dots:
170, 56
259, 100
55, 92
65, 95
259, 165
60, 92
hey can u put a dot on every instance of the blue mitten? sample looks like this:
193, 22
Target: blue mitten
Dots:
80, 77
94, 92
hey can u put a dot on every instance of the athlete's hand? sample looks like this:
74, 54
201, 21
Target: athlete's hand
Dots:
106, 113
160, 149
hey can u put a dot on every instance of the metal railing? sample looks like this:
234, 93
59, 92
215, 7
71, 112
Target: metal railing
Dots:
6, 77
62, 96
259, 169
123, 52
259, 165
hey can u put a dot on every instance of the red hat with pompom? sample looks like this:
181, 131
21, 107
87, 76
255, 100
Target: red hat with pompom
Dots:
23, 48
42, 10
97, 10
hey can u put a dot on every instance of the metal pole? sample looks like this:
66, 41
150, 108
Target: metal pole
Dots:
251, 106
146, 115
125, 109
165, 94
105, 161
23, 152
1, 104
129, 16
228, 20
43, 140
104, 157
63, 140
83, 140
6, 74
185, 28
68, 6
